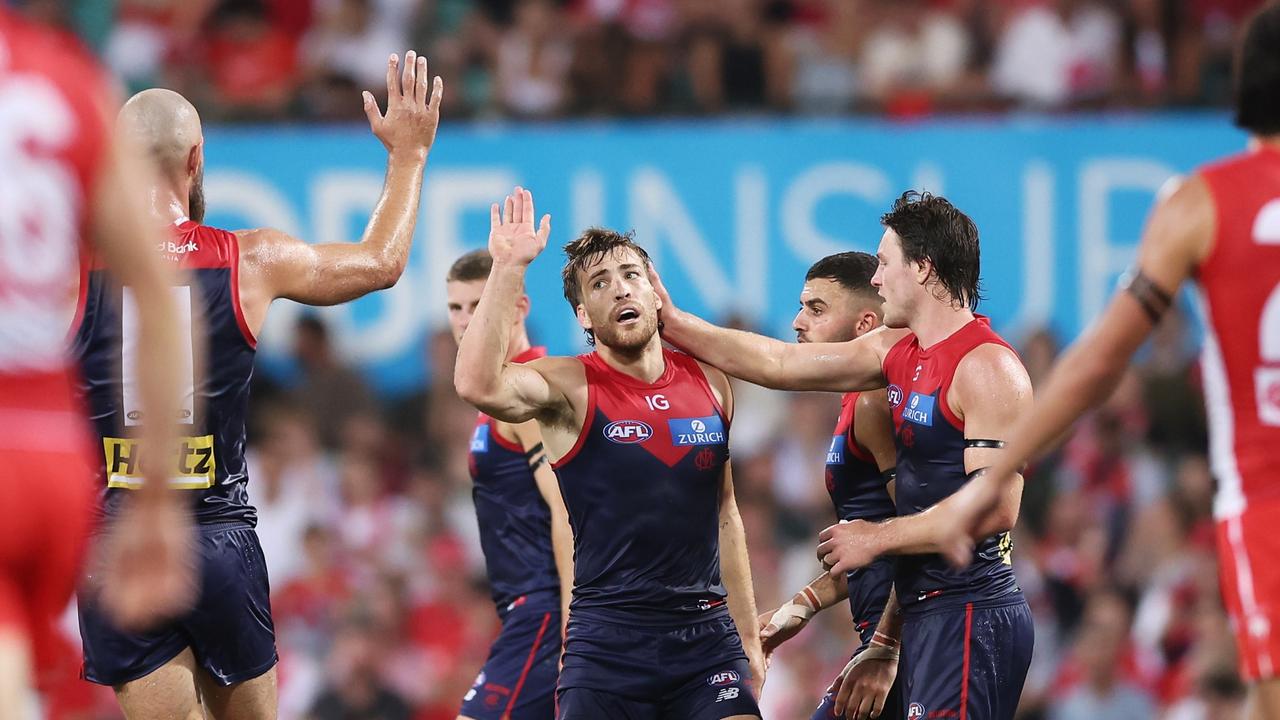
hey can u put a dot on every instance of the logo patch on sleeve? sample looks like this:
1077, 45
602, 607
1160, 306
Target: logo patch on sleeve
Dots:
919, 409
835, 453
697, 431
480, 439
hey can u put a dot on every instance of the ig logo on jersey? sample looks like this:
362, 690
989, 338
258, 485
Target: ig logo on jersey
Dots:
627, 432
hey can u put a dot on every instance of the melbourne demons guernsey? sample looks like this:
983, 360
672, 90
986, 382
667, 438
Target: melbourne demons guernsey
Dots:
642, 487
857, 488
52, 144
1240, 292
931, 443
515, 523
215, 369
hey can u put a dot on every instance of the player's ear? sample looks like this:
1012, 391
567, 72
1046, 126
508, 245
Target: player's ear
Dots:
866, 323
584, 321
522, 307
195, 159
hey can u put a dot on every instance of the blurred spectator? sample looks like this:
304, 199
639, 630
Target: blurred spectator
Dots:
533, 61
736, 55
1055, 52
350, 42
252, 67
913, 53
1104, 693
823, 57
329, 391
356, 692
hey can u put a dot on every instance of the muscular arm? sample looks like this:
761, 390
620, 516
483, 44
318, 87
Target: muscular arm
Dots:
1178, 237
873, 431
836, 367
509, 392
530, 439
990, 392
275, 265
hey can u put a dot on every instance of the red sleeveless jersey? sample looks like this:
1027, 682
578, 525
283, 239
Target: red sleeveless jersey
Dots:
1240, 292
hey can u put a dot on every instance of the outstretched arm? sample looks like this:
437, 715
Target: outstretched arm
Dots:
1178, 237
836, 367
510, 392
276, 265
991, 393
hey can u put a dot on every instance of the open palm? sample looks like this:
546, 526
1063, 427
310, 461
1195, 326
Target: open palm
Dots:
512, 239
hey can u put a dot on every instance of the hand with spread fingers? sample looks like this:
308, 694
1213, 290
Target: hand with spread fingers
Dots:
512, 238
864, 684
413, 107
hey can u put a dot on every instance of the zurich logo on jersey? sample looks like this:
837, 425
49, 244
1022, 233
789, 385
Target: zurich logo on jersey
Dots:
627, 432
480, 439
919, 409
707, 430
835, 453
895, 395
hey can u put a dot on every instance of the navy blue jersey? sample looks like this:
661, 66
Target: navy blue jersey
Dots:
931, 442
515, 523
854, 481
642, 488
215, 368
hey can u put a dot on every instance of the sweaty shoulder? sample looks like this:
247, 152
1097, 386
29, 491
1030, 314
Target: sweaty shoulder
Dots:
989, 373
720, 386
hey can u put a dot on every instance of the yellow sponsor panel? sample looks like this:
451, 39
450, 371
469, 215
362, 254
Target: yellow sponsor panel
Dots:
191, 467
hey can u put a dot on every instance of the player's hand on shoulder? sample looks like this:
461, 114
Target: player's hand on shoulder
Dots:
413, 106
512, 238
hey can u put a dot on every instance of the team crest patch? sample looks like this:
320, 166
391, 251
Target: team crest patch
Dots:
919, 409
895, 395
627, 432
723, 678
835, 453
480, 439
915, 712
707, 430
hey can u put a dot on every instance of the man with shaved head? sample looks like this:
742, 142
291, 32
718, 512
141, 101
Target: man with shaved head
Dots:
220, 657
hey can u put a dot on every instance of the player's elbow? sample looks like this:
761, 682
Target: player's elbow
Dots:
388, 273
470, 386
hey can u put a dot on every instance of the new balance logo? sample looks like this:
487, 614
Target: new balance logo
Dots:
727, 694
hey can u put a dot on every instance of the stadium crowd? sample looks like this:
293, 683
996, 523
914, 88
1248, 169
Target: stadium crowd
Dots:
307, 59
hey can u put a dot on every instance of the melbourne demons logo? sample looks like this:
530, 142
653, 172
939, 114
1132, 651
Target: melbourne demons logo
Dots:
895, 395
720, 679
627, 432
705, 460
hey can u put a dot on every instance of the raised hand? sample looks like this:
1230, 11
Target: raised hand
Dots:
413, 111
512, 239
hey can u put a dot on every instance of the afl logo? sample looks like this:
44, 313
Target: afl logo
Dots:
895, 395
915, 712
627, 432
720, 679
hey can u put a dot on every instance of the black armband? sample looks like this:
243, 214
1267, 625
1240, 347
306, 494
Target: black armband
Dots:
889, 475
533, 451
976, 473
984, 443
1153, 298
537, 462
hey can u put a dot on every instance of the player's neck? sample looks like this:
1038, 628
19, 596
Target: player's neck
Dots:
936, 321
519, 342
1271, 142
168, 205
646, 364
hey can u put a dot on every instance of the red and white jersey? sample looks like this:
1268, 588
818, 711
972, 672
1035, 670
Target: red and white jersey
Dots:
1240, 292
52, 141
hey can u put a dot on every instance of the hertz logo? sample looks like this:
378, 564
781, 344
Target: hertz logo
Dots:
192, 468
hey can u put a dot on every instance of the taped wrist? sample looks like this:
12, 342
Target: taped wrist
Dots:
797, 611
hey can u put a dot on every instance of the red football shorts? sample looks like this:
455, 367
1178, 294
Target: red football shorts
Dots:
47, 496
1248, 549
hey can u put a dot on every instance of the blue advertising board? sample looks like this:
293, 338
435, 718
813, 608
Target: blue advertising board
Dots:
732, 211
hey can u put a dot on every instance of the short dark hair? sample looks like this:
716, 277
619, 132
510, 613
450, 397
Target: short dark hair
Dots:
1257, 80
933, 229
475, 265
588, 249
851, 270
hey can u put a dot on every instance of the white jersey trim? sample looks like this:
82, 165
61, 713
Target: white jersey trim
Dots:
1229, 501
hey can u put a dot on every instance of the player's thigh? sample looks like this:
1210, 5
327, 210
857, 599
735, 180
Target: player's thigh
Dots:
166, 692
519, 677
254, 699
